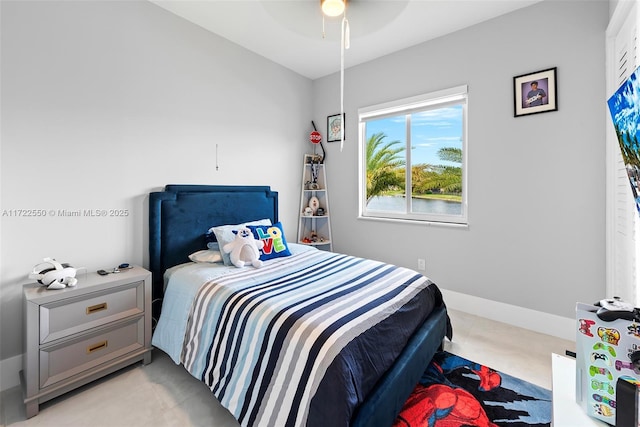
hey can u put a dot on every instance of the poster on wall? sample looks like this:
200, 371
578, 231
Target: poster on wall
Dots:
624, 107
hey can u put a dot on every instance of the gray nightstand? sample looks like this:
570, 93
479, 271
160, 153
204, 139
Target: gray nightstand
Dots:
76, 335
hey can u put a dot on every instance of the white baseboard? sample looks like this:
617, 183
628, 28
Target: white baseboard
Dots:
9, 369
545, 323
550, 324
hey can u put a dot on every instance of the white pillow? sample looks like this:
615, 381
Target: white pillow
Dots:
224, 234
206, 255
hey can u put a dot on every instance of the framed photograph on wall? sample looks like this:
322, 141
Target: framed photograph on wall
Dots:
535, 92
335, 124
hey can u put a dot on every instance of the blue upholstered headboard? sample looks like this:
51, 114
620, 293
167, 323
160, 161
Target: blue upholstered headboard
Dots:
180, 216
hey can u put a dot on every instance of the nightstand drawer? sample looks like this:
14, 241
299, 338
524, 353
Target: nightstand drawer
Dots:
75, 315
61, 361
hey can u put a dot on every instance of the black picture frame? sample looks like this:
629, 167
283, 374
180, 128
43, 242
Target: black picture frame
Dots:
335, 124
535, 92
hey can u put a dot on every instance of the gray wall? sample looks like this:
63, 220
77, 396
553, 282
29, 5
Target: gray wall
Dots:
536, 232
103, 102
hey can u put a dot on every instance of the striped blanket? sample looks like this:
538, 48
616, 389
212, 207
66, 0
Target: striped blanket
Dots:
303, 339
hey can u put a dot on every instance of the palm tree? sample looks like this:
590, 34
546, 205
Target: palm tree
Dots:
427, 178
450, 154
383, 164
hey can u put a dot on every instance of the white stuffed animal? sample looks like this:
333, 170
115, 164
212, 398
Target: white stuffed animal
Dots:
244, 249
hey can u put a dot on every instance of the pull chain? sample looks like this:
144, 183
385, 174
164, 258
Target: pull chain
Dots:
344, 44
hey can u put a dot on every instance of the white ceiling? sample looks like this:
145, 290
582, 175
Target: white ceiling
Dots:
289, 32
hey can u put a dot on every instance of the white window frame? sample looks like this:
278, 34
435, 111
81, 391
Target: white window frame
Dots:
456, 95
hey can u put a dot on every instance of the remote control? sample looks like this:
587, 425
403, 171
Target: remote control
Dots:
616, 305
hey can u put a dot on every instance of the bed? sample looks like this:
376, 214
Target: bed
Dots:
353, 364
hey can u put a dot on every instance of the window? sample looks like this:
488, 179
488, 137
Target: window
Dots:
427, 133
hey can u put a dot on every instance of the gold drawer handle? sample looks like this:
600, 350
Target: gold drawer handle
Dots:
97, 346
96, 308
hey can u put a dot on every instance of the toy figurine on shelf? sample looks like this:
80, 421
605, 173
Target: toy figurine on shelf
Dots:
314, 204
313, 185
313, 238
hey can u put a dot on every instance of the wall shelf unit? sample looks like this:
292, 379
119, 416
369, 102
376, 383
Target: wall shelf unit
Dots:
314, 224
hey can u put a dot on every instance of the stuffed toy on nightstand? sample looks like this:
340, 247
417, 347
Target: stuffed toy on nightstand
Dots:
244, 249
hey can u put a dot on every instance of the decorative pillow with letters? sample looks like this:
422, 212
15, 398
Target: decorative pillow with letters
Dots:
275, 244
